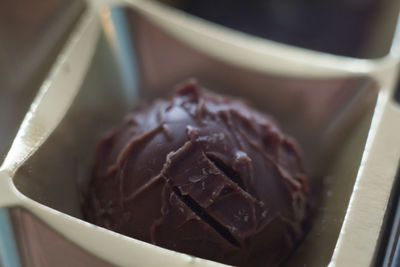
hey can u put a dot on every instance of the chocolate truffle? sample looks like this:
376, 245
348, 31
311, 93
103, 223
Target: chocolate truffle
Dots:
203, 174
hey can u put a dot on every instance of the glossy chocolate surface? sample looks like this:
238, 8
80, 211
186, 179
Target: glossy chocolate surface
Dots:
202, 174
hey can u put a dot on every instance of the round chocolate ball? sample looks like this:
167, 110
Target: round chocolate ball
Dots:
203, 174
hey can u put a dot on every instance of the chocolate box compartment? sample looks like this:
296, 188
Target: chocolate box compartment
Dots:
300, 103
29, 46
43, 246
315, 98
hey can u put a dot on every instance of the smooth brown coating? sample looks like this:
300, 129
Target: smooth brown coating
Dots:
202, 174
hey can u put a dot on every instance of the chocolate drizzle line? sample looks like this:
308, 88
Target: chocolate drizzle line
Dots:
207, 218
225, 169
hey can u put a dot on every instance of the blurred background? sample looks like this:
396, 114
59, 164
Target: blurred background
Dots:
354, 28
